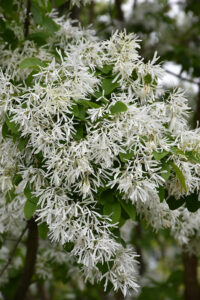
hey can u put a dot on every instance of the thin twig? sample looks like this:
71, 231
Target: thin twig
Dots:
13, 251
182, 78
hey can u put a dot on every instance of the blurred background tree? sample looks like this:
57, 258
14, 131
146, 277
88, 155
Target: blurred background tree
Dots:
172, 28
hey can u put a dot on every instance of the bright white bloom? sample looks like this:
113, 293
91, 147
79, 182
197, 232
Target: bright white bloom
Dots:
91, 120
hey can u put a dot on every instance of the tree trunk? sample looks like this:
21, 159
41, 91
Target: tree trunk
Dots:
120, 15
197, 114
190, 263
30, 259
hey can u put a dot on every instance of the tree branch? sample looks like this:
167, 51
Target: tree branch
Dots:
182, 78
120, 15
190, 263
30, 260
27, 19
13, 251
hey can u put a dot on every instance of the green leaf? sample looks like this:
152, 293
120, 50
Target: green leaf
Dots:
106, 69
193, 156
134, 75
68, 246
50, 25
59, 2
107, 196
118, 107
104, 267
17, 178
108, 85
5, 131
179, 175
173, 203
129, 209
31, 62
126, 156
29, 208
31, 203
148, 79
89, 104
79, 111
165, 171
177, 151
9, 36
10, 196
14, 128
43, 230
37, 13
22, 143
40, 37
192, 202
79, 132
159, 155
161, 193
113, 210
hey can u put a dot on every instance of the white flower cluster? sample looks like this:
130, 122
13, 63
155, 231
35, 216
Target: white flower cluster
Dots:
92, 119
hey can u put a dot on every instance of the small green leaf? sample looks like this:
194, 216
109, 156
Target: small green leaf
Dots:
161, 193
79, 111
179, 175
50, 25
22, 143
5, 131
192, 202
165, 171
17, 178
40, 37
113, 210
43, 230
129, 209
148, 79
37, 13
177, 151
106, 69
59, 2
107, 196
108, 85
79, 132
68, 246
88, 103
173, 203
14, 128
31, 62
29, 208
118, 107
10, 196
31, 203
126, 156
159, 155
193, 156
134, 75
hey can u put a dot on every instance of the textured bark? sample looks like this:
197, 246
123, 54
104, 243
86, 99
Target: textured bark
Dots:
30, 259
190, 263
